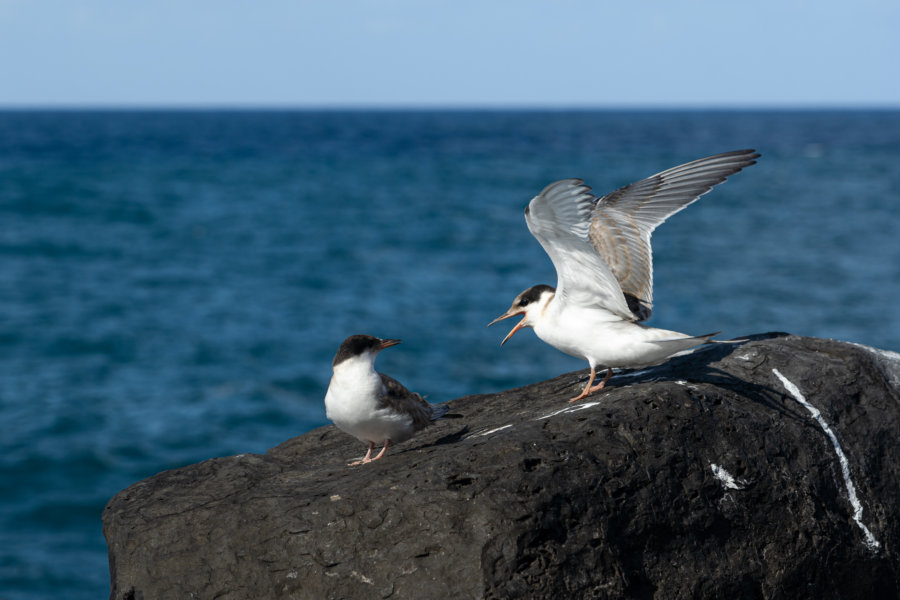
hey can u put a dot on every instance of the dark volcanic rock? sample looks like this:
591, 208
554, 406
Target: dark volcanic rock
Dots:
702, 478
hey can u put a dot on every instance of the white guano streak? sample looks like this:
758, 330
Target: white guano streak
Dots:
725, 478
871, 542
569, 409
492, 431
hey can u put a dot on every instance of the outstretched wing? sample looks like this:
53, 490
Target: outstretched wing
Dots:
560, 218
622, 221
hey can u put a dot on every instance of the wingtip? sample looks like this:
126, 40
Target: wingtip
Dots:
438, 411
750, 154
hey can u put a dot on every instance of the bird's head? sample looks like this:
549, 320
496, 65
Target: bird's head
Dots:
531, 303
361, 346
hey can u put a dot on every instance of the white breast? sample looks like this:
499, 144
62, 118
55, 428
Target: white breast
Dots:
352, 404
577, 331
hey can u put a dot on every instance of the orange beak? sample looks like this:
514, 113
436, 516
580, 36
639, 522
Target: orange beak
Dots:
388, 344
507, 315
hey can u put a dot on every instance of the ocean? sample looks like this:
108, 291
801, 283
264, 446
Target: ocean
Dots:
176, 283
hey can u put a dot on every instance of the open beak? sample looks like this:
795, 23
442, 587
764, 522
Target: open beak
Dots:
507, 315
388, 344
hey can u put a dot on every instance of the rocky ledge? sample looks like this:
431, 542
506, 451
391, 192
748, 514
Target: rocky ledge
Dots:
767, 469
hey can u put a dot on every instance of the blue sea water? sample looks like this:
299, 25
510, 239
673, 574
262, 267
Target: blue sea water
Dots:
174, 284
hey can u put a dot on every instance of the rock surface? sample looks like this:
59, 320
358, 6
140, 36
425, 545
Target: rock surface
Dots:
705, 477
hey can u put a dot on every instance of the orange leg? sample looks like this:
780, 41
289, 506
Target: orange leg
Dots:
383, 450
587, 388
366, 458
600, 385
590, 390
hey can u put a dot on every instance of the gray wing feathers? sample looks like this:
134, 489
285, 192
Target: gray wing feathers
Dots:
560, 219
623, 220
563, 208
400, 399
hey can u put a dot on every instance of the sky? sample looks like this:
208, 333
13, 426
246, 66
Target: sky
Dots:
453, 53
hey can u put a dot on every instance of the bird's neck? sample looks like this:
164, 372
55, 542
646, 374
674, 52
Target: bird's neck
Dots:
357, 373
548, 307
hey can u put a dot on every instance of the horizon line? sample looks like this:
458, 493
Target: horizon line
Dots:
428, 107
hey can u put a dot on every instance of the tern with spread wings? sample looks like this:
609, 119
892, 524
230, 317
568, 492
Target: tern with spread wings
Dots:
600, 248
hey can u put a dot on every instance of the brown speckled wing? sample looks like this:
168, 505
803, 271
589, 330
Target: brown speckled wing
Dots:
400, 399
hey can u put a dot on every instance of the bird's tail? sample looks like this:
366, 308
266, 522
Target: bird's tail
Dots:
731, 341
438, 411
708, 339
675, 345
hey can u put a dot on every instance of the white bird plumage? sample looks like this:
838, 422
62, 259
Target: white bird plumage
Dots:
600, 248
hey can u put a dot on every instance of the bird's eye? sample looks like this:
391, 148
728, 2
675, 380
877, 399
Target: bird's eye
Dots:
524, 302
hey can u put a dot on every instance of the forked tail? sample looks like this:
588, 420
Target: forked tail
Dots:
707, 339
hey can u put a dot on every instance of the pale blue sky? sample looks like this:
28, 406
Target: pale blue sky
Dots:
327, 53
